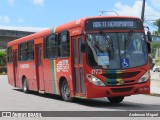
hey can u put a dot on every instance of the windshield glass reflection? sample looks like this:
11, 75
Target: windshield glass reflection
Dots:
116, 50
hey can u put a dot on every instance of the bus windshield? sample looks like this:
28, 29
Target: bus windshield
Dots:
116, 50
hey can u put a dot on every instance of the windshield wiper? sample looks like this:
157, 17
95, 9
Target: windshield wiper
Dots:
110, 43
127, 40
107, 38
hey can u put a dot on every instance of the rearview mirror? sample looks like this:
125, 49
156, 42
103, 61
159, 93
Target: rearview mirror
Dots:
149, 36
149, 48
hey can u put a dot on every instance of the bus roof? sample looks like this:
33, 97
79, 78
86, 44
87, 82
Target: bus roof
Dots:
73, 24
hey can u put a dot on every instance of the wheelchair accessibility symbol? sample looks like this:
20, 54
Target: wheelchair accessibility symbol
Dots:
125, 62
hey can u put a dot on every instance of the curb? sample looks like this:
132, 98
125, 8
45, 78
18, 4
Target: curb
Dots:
155, 86
3, 73
154, 94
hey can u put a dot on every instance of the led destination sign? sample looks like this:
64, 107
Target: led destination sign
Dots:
101, 24
113, 24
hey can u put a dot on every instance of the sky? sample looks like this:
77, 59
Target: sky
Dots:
50, 13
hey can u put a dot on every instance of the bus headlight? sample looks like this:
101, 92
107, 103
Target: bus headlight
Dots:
145, 77
94, 80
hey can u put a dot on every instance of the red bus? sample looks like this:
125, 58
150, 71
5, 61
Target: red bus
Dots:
88, 58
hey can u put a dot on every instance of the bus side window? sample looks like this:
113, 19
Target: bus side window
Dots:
30, 50
51, 46
22, 51
9, 54
64, 44
19, 52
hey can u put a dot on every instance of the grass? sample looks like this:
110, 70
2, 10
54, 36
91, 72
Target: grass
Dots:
155, 94
3, 73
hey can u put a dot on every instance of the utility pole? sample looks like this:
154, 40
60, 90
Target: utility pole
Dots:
143, 9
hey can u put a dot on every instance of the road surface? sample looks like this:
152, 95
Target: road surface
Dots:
13, 99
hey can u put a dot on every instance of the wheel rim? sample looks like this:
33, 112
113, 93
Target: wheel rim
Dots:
25, 86
66, 92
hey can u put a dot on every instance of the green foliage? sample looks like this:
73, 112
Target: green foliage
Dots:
154, 47
157, 23
155, 33
2, 58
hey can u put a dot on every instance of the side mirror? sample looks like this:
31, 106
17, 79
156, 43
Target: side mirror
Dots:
149, 48
149, 36
83, 47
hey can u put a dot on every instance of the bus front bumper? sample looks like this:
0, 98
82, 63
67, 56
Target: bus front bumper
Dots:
113, 91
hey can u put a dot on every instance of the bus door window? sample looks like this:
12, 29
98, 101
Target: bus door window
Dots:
78, 65
39, 67
39, 56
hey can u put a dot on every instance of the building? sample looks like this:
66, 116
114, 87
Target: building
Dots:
11, 33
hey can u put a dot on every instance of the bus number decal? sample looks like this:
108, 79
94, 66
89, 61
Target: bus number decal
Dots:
24, 66
63, 66
96, 71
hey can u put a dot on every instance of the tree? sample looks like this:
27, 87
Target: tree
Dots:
154, 47
2, 58
155, 33
157, 23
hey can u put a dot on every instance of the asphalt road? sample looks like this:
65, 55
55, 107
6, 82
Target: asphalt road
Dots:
13, 99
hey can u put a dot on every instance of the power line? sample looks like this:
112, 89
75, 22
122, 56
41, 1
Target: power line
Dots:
153, 15
151, 20
151, 24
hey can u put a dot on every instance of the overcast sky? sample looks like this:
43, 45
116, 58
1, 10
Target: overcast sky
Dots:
50, 13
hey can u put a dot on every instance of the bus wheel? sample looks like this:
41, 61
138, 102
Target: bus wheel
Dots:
115, 99
65, 92
25, 86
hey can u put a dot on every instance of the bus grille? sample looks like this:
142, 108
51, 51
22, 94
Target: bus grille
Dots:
120, 90
126, 82
120, 75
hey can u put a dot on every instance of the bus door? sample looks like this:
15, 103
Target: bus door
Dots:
39, 67
78, 71
15, 72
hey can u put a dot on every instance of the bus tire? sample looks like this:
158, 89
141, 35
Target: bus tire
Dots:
116, 99
65, 92
25, 86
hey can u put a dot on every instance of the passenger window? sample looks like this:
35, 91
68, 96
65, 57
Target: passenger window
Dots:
30, 50
22, 51
9, 55
51, 47
64, 44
